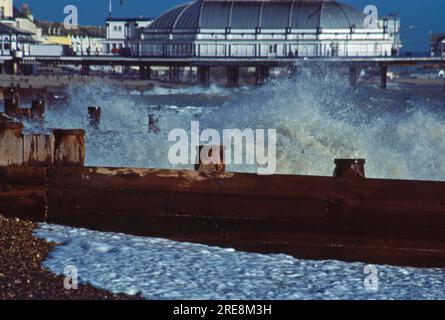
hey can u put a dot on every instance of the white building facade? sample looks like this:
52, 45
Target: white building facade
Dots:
123, 35
268, 28
6, 9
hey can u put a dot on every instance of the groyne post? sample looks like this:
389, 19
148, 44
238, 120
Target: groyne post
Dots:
349, 168
38, 149
94, 117
69, 147
38, 111
12, 101
210, 159
153, 124
11, 144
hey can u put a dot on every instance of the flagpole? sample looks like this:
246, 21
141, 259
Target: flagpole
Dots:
110, 8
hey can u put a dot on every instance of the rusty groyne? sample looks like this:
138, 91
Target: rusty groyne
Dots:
346, 217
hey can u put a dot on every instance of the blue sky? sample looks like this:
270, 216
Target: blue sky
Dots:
419, 17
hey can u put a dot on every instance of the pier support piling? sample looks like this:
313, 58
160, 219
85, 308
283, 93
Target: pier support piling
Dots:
174, 74
261, 75
85, 71
353, 76
204, 75
383, 77
10, 67
69, 147
144, 72
232, 77
292, 70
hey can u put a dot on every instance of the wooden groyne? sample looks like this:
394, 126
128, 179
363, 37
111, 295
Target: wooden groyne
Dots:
346, 217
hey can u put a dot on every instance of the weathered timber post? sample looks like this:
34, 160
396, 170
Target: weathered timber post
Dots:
38, 149
11, 144
210, 159
94, 115
204, 75
69, 147
353, 76
153, 124
11, 101
383, 77
38, 111
350, 168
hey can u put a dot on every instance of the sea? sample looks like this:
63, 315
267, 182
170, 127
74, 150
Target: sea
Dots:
318, 118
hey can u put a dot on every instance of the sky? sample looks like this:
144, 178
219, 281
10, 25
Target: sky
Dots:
419, 17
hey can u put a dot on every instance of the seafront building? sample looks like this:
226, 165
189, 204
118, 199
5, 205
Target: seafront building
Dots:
83, 40
17, 30
269, 28
123, 35
226, 29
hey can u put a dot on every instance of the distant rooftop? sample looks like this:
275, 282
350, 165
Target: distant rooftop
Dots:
58, 29
252, 14
130, 19
4, 28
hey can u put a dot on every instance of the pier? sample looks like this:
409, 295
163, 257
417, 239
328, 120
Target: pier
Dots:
203, 65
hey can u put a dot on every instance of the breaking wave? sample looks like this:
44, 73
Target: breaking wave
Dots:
317, 117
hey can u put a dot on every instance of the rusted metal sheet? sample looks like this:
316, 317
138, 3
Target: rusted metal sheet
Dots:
38, 149
11, 144
69, 149
23, 192
381, 221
